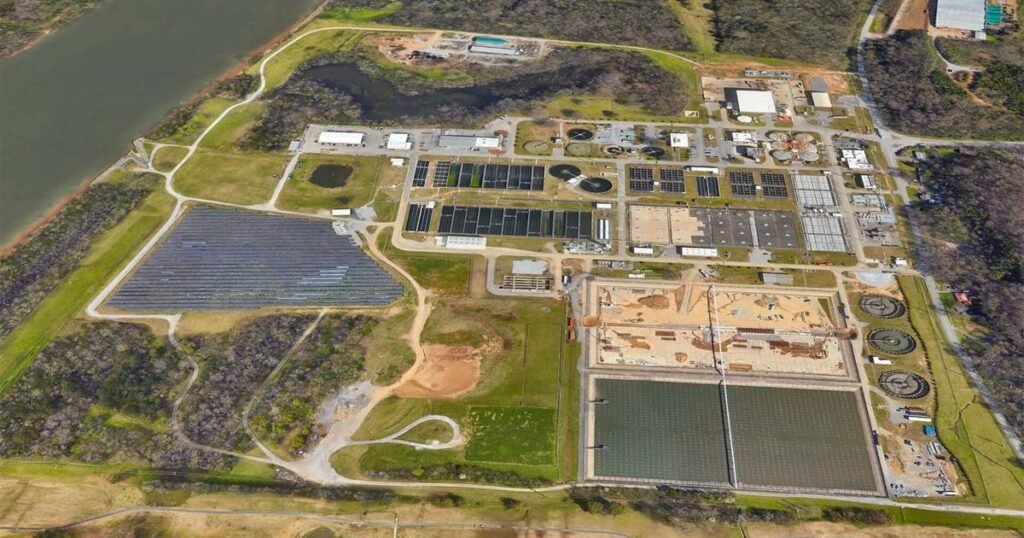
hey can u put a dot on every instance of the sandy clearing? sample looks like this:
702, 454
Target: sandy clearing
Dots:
446, 372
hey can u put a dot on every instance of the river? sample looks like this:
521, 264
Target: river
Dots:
72, 104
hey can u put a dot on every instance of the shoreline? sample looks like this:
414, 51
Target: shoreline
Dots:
39, 223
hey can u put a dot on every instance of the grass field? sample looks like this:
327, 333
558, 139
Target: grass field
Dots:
512, 435
520, 419
167, 157
207, 111
445, 274
300, 194
64, 303
532, 131
965, 425
230, 131
239, 179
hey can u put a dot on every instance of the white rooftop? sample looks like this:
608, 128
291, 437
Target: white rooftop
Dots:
960, 14
340, 137
529, 267
755, 101
679, 140
821, 100
399, 141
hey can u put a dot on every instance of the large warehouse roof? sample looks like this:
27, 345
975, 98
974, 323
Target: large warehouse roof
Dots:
468, 141
340, 137
755, 102
960, 14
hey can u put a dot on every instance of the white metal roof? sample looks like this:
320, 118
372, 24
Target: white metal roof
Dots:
340, 137
487, 142
960, 14
755, 101
529, 267
821, 99
679, 140
399, 141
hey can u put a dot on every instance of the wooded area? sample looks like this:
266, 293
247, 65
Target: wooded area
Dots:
21, 21
332, 357
102, 394
631, 22
914, 94
35, 267
813, 32
976, 243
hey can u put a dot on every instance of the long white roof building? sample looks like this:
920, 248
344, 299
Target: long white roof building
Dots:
960, 14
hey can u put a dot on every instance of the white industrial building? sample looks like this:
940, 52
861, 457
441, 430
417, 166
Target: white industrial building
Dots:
399, 141
698, 252
754, 102
679, 140
529, 267
960, 14
468, 141
486, 49
342, 138
464, 242
856, 159
742, 137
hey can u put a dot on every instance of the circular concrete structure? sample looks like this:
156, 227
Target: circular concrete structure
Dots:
653, 152
578, 134
892, 341
903, 385
565, 172
882, 306
537, 147
596, 184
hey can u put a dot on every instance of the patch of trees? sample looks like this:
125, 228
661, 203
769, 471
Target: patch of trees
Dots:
21, 21
977, 244
101, 394
915, 95
673, 506
456, 472
232, 366
1002, 84
628, 22
813, 32
35, 267
858, 515
330, 358
312, 96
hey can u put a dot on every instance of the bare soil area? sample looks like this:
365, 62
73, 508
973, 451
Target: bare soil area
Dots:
446, 372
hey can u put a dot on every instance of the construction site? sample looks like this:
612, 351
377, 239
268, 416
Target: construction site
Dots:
667, 325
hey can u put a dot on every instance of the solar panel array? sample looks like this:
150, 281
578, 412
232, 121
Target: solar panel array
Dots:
227, 259
418, 219
725, 227
468, 220
419, 174
742, 184
641, 178
812, 190
773, 185
824, 233
707, 186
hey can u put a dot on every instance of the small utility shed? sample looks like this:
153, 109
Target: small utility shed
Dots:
960, 14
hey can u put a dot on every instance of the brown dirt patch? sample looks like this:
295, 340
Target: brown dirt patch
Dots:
659, 302
446, 372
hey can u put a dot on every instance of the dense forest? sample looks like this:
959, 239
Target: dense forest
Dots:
977, 243
915, 95
629, 22
331, 357
813, 32
101, 394
348, 88
34, 268
21, 21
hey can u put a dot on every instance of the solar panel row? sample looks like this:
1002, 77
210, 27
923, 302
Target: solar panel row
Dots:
227, 259
418, 219
708, 186
441, 176
490, 176
468, 220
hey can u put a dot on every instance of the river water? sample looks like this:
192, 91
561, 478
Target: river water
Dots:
72, 104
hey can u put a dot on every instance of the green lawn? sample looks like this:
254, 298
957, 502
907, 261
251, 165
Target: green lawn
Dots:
359, 14
168, 157
104, 259
428, 432
240, 179
300, 194
230, 131
444, 274
965, 425
523, 435
207, 111
328, 41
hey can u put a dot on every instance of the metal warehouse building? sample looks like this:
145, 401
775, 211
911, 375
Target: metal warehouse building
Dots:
960, 14
751, 101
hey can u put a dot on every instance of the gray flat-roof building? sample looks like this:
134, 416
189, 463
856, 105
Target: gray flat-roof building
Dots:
960, 14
